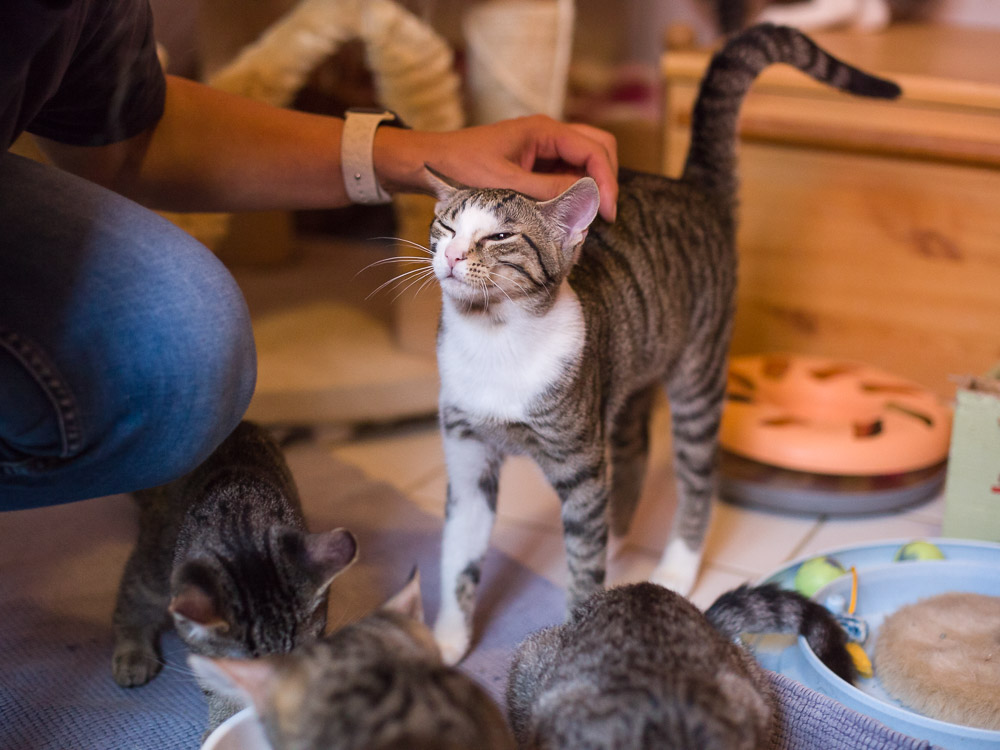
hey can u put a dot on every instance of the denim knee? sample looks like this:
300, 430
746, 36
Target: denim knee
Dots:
126, 350
157, 393
195, 379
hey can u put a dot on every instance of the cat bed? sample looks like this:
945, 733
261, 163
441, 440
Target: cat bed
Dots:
830, 416
940, 656
59, 570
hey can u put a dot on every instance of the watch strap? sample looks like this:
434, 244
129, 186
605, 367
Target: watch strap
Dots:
356, 160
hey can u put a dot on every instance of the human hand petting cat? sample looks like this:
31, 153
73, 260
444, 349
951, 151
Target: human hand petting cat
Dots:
213, 151
535, 155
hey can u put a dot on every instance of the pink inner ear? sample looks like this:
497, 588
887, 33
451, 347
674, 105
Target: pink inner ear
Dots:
331, 551
575, 209
192, 603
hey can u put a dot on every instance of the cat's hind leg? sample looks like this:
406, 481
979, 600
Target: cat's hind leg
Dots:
470, 510
697, 393
629, 459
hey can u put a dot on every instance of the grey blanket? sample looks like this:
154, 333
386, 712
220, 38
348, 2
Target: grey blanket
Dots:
59, 570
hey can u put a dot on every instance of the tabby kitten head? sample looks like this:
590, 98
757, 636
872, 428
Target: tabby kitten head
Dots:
496, 247
261, 599
377, 684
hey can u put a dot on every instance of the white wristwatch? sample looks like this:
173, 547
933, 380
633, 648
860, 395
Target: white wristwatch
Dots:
356, 160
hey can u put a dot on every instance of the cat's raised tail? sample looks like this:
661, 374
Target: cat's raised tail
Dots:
772, 609
711, 159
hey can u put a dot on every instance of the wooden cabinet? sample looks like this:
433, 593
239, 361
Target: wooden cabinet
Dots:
869, 229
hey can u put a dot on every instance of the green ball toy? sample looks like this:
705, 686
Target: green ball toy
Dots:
815, 573
918, 551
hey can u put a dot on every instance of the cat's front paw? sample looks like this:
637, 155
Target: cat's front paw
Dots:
678, 568
452, 635
133, 665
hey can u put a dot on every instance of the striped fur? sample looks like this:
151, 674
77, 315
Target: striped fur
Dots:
771, 609
556, 332
639, 667
377, 684
224, 556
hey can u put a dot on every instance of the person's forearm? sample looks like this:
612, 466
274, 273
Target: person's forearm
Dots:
213, 151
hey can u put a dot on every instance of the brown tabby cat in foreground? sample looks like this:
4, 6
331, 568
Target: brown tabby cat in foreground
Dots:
553, 341
223, 553
639, 667
378, 684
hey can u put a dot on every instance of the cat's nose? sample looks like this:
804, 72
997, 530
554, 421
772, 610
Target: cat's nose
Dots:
454, 256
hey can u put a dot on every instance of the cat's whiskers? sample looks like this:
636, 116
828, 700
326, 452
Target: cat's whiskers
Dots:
409, 243
181, 668
427, 276
486, 294
523, 290
502, 290
403, 278
431, 278
394, 259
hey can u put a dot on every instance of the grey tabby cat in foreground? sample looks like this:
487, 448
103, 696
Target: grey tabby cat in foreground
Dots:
378, 684
639, 667
554, 338
224, 555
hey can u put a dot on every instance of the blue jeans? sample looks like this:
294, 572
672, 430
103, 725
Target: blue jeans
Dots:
126, 352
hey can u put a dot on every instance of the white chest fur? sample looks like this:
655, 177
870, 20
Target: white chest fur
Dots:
497, 370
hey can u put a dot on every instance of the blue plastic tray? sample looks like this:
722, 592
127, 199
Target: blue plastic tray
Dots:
883, 587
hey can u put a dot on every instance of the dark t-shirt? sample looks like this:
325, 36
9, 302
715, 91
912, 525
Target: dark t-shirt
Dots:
82, 72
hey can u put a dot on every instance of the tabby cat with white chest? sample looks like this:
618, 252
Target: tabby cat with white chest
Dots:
223, 554
557, 329
378, 684
639, 667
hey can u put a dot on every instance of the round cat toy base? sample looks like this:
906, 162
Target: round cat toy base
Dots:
831, 416
743, 481
884, 587
241, 731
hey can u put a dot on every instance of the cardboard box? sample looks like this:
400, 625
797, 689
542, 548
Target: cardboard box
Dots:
972, 486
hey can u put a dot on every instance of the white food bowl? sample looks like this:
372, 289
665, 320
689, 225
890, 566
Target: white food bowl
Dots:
241, 731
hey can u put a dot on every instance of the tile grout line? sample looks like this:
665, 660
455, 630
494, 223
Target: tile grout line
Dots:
810, 535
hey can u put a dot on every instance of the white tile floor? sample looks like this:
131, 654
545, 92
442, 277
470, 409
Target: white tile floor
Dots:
743, 544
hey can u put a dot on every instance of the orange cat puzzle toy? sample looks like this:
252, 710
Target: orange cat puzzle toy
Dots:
831, 416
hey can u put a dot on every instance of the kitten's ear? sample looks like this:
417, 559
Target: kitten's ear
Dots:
574, 210
442, 187
330, 553
195, 597
243, 681
407, 600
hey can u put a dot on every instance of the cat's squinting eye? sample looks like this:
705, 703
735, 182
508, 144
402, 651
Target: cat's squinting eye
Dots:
500, 236
444, 226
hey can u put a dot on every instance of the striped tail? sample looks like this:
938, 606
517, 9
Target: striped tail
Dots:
711, 160
771, 609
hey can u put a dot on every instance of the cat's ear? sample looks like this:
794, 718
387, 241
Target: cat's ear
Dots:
574, 210
242, 681
407, 600
330, 553
442, 187
195, 598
